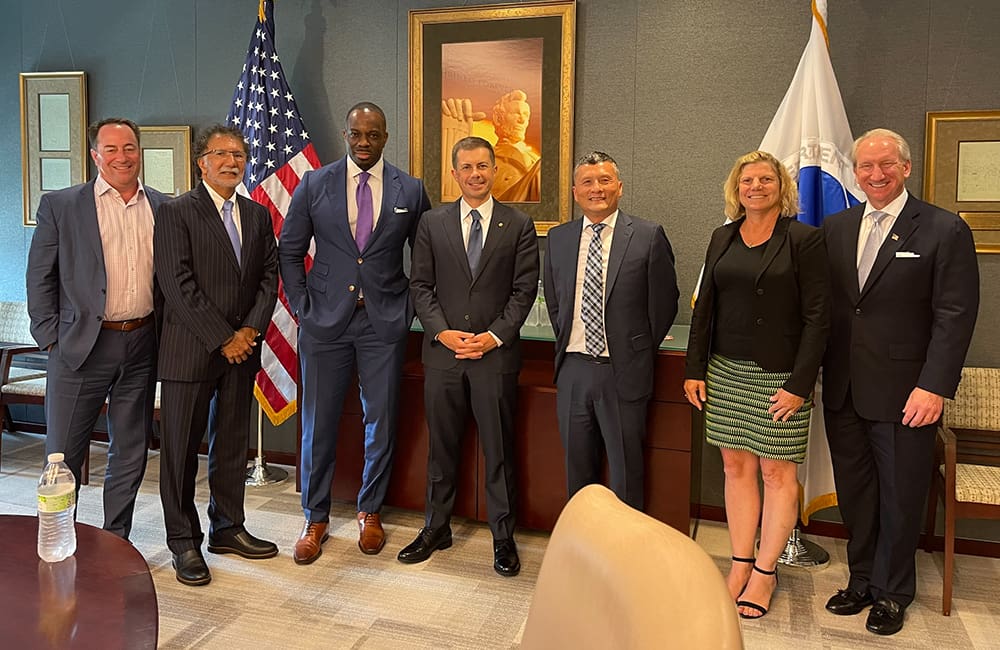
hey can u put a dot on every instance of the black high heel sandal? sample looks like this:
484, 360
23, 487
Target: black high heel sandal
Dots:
744, 560
747, 603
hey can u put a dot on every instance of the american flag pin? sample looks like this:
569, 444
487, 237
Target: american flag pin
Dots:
895, 237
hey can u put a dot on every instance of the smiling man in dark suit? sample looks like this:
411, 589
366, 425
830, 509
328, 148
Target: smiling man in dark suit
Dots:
216, 261
90, 299
612, 295
353, 308
905, 296
474, 279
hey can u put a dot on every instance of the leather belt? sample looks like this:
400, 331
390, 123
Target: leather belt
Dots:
589, 358
127, 325
360, 304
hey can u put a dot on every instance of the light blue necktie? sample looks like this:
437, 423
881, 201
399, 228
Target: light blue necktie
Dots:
475, 248
870, 251
592, 300
234, 235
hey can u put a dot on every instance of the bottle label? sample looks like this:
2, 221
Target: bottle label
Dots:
56, 502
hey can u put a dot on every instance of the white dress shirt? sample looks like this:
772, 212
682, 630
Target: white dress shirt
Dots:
577, 333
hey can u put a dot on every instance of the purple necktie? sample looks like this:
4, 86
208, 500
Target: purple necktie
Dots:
363, 229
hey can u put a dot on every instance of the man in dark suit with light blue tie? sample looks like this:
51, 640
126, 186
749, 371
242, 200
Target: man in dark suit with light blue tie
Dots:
474, 280
91, 299
217, 263
352, 307
611, 292
905, 297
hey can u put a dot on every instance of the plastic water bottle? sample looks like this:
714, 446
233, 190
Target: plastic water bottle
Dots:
543, 310
56, 505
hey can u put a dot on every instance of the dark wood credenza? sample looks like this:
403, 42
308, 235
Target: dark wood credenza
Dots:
541, 473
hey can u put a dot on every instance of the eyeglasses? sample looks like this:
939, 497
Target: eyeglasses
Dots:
886, 166
238, 156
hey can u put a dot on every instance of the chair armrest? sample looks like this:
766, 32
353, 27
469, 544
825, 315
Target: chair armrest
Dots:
7, 354
950, 444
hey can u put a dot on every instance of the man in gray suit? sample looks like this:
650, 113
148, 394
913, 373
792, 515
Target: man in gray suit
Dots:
90, 299
612, 295
217, 263
473, 280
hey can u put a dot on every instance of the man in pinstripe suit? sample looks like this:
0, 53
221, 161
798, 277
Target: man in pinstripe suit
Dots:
216, 262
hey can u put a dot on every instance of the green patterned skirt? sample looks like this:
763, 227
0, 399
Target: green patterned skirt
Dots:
736, 414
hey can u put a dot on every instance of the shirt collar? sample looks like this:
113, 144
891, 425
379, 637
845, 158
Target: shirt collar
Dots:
376, 170
608, 221
217, 198
101, 187
485, 210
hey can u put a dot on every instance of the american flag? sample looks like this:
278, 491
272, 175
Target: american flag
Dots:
280, 153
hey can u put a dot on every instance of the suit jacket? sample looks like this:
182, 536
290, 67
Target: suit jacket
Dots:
66, 278
791, 309
640, 297
498, 298
325, 299
911, 324
208, 295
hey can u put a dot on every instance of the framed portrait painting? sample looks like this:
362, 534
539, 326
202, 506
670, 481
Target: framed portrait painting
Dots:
962, 170
504, 73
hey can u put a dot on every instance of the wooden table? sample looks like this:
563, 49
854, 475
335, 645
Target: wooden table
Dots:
540, 466
101, 597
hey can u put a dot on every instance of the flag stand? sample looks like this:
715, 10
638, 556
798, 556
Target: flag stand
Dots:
801, 553
259, 473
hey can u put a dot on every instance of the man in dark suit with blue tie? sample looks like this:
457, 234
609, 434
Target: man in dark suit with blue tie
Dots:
217, 263
91, 298
474, 279
352, 307
612, 295
905, 283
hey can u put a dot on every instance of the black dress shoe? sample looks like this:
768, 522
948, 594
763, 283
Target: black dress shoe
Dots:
505, 560
428, 540
886, 617
847, 602
242, 543
191, 568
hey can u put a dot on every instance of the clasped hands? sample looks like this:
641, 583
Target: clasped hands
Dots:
467, 345
240, 345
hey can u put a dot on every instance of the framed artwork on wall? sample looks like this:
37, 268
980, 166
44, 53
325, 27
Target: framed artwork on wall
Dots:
53, 134
166, 158
504, 73
962, 170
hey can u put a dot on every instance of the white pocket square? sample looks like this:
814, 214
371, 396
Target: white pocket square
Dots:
907, 254
399, 210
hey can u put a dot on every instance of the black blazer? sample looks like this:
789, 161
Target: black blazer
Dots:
912, 324
640, 297
209, 295
447, 296
791, 309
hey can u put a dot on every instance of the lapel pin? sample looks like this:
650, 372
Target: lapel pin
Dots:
895, 237
500, 225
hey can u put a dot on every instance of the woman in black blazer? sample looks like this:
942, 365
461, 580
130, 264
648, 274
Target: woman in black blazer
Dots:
757, 339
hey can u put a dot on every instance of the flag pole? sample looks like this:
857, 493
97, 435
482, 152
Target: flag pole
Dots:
259, 473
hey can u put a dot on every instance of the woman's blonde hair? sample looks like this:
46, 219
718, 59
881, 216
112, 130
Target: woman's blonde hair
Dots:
787, 187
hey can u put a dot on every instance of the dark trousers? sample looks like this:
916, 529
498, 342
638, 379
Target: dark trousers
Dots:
882, 472
327, 371
186, 411
592, 417
492, 397
122, 370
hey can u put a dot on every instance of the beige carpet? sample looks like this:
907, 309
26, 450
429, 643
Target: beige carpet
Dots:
455, 600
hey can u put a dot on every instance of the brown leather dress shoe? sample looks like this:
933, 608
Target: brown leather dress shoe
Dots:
371, 537
310, 542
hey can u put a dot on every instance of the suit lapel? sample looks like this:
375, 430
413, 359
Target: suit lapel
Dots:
391, 187
620, 239
91, 229
249, 230
499, 226
902, 228
207, 212
452, 225
774, 244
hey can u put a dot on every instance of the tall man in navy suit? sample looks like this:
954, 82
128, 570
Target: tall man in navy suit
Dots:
217, 263
612, 295
90, 299
353, 307
905, 286
474, 279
